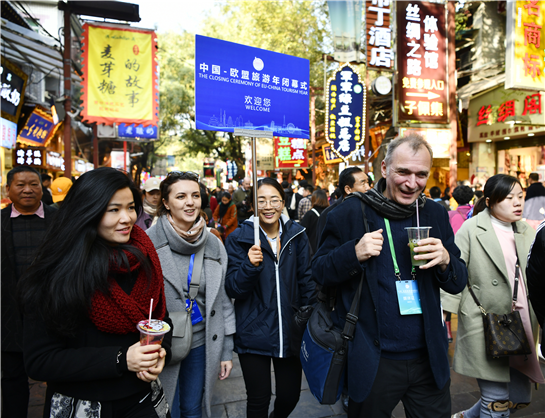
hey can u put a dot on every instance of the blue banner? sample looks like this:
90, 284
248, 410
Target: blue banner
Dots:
238, 86
345, 121
137, 131
37, 129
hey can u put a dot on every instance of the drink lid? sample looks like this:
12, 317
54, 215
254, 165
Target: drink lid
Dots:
156, 326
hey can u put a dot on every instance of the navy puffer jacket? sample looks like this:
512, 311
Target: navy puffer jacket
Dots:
263, 324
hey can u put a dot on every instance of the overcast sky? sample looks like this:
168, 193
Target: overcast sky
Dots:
172, 14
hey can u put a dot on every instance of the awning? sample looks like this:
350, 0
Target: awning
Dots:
26, 47
476, 87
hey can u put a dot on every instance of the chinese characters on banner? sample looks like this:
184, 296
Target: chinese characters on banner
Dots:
38, 128
525, 58
32, 157
290, 152
379, 34
488, 114
12, 91
120, 76
137, 131
345, 108
232, 169
9, 133
422, 62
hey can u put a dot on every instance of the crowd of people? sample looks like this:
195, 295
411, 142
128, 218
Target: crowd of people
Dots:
84, 262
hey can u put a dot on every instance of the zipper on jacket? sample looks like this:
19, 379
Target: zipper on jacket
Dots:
278, 304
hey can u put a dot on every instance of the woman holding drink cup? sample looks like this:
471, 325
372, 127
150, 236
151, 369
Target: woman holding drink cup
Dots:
182, 239
495, 243
88, 287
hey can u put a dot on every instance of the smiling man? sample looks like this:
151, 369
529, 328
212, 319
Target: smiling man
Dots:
405, 351
24, 223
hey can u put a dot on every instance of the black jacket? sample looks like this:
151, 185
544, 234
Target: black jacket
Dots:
261, 327
534, 190
292, 213
535, 278
311, 221
12, 338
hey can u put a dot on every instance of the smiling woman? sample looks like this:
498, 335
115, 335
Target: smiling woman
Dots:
83, 300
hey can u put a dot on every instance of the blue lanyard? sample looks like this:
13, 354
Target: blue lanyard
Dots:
190, 271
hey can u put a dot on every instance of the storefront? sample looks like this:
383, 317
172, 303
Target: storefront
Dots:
506, 130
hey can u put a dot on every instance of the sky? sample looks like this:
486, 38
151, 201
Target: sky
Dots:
172, 15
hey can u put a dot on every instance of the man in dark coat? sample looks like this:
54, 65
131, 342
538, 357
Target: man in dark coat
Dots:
536, 188
24, 223
397, 353
534, 275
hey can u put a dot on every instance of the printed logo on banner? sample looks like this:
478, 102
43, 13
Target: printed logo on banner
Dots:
345, 108
238, 86
422, 62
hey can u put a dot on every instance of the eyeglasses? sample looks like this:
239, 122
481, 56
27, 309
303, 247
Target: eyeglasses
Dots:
184, 175
275, 203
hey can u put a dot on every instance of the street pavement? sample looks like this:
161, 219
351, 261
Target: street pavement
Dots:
229, 399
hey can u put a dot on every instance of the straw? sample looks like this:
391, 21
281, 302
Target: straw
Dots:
417, 222
149, 320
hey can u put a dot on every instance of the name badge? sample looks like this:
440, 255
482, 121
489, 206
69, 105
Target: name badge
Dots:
196, 316
408, 297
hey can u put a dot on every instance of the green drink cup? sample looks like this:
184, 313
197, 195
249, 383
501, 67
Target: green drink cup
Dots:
416, 234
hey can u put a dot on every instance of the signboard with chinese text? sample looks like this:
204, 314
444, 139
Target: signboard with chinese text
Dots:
329, 156
9, 133
237, 86
38, 128
487, 114
119, 75
264, 154
54, 161
137, 131
345, 17
439, 139
290, 152
232, 170
30, 156
525, 54
379, 34
12, 90
422, 62
345, 112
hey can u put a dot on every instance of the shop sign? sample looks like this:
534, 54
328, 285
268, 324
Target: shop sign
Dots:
54, 160
264, 154
241, 87
329, 156
488, 114
32, 157
38, 128
345, 17
345, 112
116, 158
290, 152
12, 91
232, 169
525, 53
137, 131
379, 34
9, 133
120, 80
439, 139
422, 62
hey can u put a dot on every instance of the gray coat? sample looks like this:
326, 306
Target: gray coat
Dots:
483, 255
220, 314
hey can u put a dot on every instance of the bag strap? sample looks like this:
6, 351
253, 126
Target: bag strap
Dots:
196, 278
316, 212
352, 317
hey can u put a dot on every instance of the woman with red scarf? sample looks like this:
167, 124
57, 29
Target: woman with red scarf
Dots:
88, 287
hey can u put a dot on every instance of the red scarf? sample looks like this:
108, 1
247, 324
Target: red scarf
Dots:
119, 313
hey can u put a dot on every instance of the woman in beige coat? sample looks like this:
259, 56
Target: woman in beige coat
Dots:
490, 243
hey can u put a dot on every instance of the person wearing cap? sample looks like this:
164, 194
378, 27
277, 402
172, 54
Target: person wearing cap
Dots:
152, 195
59, 190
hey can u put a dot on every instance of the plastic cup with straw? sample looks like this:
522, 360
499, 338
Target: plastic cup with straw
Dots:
152, 331
415, 235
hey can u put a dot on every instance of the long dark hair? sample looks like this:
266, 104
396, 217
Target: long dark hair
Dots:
73, 261
495, 190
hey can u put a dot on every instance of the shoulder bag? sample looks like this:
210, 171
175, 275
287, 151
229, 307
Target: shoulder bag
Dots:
324, 348
504, 333
182, 332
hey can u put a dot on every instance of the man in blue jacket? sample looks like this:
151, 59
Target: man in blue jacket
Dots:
396, 354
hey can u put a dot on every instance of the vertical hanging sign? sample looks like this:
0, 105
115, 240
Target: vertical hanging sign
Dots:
422, 62
120, 82
379, 34
525, 57
290, 152
345, 112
